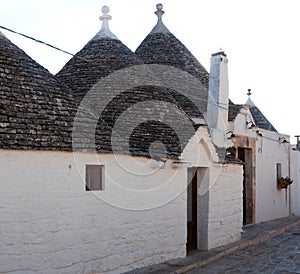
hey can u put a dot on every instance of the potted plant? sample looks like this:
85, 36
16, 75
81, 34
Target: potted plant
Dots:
284, 182
232, 152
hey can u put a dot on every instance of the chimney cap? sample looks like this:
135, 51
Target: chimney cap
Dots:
219, 53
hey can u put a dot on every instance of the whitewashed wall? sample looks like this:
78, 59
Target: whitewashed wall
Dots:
225, 216
271, 203
295, 187
239, 126
50, 224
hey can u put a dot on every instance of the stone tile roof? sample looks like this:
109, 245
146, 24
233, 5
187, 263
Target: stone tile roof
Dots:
162, 47
165, 49
102, 56
153, 122
260, 120
35, 109
99, 58
233, 110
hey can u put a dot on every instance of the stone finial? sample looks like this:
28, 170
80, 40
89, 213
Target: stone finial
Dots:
159, 12
105, 31
160, 27
105, 17
249, 92
249, 101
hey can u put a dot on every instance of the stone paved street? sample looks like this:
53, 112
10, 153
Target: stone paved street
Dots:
280, 254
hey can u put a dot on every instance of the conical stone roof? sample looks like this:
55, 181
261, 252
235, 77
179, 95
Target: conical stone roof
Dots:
101, 56
35, 110
260, 120
162, 47
166, 49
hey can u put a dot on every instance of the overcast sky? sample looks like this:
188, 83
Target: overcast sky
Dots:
260, 38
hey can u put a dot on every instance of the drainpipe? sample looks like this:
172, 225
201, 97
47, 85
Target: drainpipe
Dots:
289, 172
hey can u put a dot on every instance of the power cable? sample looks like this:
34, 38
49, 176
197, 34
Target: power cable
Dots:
36, 40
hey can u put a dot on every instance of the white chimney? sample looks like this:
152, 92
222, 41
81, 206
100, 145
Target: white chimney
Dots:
217, 107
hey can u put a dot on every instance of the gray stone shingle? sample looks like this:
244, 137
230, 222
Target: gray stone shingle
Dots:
35, 109
98, 59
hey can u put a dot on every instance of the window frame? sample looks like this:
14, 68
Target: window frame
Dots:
99, 185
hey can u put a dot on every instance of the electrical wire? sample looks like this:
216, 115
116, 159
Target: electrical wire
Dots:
38, 41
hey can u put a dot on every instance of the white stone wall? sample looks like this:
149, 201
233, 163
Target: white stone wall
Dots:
50, 224
239, 126
295, 187
225, 215
271, 203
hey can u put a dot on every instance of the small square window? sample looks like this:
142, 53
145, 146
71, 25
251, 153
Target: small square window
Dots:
94, 177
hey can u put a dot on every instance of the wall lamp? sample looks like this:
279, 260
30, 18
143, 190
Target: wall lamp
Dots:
259, 133
250, 124
282, 140
230, 134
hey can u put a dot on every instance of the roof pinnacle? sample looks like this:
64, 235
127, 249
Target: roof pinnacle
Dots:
159, 11
160, 27
249, 92
249, 101
105, 31
105, 17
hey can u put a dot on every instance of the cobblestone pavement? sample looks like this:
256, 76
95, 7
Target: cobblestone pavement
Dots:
280, 254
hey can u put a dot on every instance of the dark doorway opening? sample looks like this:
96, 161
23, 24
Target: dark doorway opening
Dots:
192, 212
246, 155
